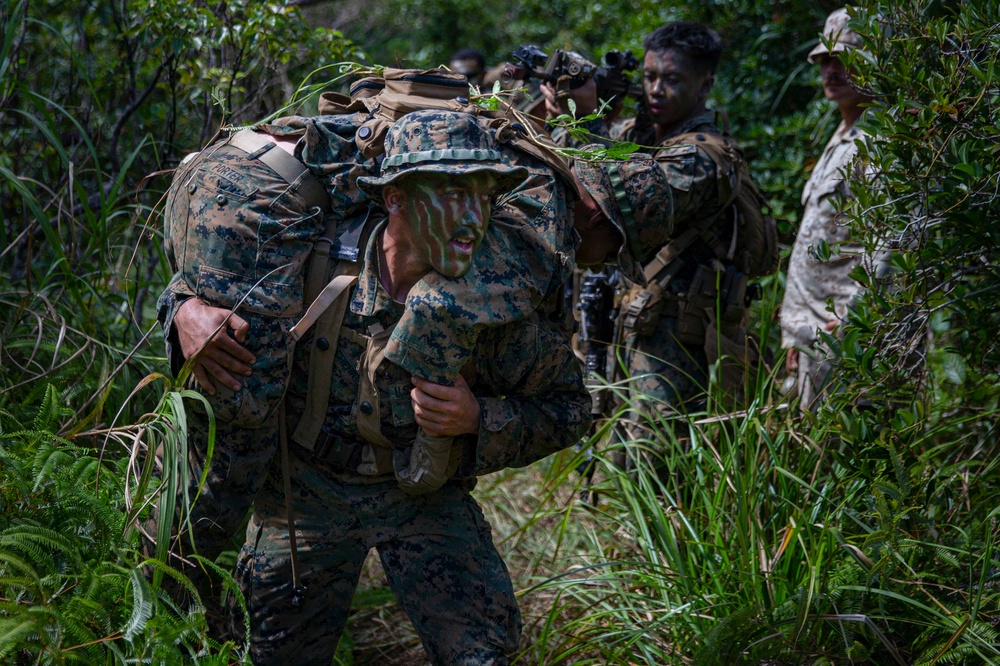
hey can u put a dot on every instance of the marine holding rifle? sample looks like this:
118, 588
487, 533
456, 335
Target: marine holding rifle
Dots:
687, 308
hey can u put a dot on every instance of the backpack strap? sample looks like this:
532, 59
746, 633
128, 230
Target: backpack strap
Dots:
291, 170
326, 311
728, 161
663, 266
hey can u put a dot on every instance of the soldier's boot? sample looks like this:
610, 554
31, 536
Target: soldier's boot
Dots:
424, 466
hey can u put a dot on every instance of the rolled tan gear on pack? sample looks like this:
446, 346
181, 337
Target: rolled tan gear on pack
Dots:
420, 468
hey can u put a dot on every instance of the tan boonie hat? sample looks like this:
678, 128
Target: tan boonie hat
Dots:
836, 37
438, 141
635, 196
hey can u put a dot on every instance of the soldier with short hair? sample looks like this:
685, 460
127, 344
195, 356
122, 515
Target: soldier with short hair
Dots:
471, 64
693, 311
813, 284
666, 355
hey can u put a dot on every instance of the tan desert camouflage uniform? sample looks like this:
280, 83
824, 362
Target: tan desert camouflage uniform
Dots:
813, 284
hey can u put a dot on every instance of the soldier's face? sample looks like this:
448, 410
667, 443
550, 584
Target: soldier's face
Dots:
675, 88
448, 215
837, 83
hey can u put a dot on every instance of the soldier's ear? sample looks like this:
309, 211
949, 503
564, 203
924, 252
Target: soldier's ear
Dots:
394, 200
706, 85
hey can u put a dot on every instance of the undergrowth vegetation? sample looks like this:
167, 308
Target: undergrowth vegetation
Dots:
863, 533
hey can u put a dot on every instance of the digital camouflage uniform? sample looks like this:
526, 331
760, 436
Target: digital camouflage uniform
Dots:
436, 549
668, 371
525, 257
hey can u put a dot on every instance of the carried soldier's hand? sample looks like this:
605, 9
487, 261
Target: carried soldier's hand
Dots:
445, 411
220, 333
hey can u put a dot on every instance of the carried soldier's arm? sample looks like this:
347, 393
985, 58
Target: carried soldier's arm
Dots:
536, 403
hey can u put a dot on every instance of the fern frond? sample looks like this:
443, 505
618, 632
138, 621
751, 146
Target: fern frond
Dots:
32, 581
14, 632
42, 545
49, 411
142, 605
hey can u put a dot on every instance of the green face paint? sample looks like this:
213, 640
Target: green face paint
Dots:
449, 215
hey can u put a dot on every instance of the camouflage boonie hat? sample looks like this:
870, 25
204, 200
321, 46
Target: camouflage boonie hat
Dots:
440, 141
837, 37
635, 196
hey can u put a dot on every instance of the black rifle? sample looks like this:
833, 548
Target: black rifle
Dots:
597, 330
597, 327
567, 70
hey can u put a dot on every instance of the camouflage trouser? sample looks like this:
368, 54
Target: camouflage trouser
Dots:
437, 552
666, 376
240, 236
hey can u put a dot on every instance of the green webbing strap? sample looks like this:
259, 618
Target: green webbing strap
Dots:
618, 183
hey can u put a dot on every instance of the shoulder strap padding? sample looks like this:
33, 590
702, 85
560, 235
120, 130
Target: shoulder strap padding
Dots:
293, 171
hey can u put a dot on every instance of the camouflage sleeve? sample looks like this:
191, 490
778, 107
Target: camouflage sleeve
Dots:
693, 182
539, 405
329, 150
176, 292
